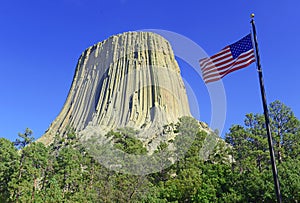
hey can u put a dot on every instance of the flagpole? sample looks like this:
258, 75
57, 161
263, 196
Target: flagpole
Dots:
266, 113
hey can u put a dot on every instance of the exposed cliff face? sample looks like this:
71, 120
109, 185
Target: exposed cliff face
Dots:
128, 80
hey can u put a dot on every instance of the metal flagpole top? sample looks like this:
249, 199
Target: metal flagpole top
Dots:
252, 15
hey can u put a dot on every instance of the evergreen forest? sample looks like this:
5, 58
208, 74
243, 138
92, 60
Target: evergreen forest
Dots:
238, 168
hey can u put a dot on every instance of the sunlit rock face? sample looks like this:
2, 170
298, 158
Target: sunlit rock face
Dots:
129, 80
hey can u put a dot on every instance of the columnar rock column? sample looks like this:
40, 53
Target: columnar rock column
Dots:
129, 80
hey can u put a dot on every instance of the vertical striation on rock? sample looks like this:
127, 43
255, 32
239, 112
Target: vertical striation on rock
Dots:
129, 80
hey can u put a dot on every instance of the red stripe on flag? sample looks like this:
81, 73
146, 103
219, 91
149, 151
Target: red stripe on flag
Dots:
222, 65
239, 67
241, 62
204, 62
217, 63
223, 51
237, 64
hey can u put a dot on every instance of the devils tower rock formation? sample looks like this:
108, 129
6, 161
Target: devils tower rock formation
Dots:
129, 80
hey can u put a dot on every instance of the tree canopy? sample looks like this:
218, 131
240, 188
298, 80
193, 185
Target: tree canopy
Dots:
237, 169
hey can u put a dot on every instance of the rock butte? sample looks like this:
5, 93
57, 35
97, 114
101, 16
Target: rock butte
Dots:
128, 80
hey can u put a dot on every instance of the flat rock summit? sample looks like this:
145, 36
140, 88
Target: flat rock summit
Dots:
128, 80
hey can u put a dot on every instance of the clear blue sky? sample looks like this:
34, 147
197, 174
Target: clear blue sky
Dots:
41, 40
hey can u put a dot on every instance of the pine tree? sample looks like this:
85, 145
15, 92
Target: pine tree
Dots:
8, 166
251, 154
284, 126
17, 184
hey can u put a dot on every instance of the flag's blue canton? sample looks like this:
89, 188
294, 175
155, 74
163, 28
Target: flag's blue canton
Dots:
241, 46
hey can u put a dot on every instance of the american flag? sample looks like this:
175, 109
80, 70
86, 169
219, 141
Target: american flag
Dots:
233, 57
